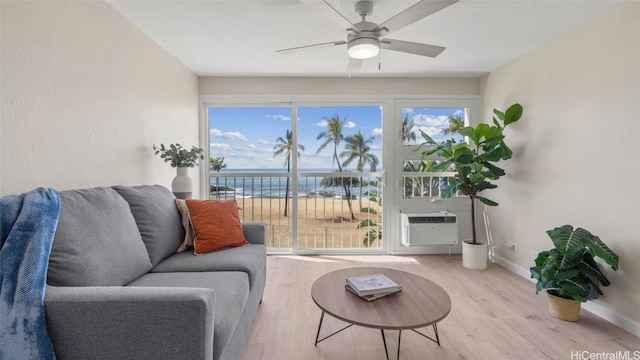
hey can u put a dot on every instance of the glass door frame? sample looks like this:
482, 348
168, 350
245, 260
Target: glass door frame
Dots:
294, 102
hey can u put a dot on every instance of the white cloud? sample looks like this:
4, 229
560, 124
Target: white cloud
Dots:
263, 141
431, 121
279, 117
430, 130
377, 132
250, 147
223, 147
233, 135
349, 125
322, 123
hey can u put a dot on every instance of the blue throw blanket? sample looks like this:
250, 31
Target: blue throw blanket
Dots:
27, 225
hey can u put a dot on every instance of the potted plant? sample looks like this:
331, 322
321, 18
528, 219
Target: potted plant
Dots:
569, 271
474, 164
182, 159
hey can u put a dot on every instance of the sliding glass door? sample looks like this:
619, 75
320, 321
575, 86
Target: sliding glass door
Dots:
315, 181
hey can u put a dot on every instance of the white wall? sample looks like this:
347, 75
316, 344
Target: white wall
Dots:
575, 149
85, 95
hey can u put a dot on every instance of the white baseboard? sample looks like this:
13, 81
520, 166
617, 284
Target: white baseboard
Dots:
592, 306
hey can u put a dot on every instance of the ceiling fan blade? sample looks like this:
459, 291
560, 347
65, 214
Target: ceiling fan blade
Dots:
412, 14
330, 12
310, 47
411, 47
354, 65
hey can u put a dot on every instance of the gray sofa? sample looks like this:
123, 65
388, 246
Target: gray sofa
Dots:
117, 289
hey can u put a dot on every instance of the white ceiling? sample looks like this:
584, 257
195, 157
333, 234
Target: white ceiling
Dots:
240, 37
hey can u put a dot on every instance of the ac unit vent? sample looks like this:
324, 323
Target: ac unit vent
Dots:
438, 228
432, 219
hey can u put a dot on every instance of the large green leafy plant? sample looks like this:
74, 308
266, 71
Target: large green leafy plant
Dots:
178, 156
473, 162
569, 269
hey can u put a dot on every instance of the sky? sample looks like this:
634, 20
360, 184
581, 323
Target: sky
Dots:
246, 136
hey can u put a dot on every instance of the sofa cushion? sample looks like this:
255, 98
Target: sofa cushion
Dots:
189, 234
251, 259
97, 242
158, 219
231, 293
216, 224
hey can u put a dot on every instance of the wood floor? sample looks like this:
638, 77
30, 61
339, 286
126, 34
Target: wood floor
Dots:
495, 314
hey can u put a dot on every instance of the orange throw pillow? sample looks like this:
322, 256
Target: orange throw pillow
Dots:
216, 224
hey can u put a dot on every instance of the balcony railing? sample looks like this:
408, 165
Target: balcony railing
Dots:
424, 184
334, 210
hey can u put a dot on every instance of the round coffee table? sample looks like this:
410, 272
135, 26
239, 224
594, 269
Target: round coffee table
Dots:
421, 303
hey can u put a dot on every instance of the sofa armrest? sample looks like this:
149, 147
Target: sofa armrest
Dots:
130, 322
255, 232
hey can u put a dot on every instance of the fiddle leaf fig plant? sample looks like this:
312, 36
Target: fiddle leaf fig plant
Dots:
474, 161
177, 156
569, 269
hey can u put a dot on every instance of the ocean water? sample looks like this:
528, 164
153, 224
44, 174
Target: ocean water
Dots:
250, 183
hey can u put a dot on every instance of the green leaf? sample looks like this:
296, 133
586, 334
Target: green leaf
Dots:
569, 261
590, 268
563, 275
450, 189
467, 131
462, 150
513, 114
493, 172
499, 114
577, 288
441, 166
486, 201
485, 185
600, 249
542, 257
366, 223
368, 210
476, 177
567, 241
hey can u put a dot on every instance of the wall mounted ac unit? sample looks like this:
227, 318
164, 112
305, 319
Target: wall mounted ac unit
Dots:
435, 228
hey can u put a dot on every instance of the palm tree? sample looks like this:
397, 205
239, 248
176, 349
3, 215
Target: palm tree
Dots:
334, 135
407, 130
285, 145
455, 124
358, 148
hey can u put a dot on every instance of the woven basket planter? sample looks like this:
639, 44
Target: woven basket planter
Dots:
564, 309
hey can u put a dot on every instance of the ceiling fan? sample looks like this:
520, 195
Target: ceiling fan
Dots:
364, 39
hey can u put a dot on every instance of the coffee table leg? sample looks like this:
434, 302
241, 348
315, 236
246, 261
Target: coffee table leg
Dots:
319, 326
384, 341
328, 336
435, 331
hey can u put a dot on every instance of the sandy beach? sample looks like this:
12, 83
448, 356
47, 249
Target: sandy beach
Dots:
322, 223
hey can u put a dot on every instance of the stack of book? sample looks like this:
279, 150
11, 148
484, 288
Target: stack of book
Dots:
372, 287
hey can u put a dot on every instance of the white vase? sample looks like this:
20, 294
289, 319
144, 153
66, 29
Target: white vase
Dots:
181, 185
474, 256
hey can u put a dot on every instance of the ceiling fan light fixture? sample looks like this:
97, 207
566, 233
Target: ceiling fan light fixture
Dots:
363, 48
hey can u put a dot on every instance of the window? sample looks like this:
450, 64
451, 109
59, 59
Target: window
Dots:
294, 177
